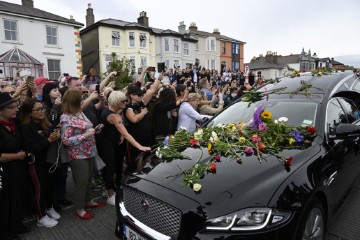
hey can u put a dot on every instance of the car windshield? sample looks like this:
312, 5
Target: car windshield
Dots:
297, 113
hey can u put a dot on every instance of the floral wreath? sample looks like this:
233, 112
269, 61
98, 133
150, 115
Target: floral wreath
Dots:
262, 137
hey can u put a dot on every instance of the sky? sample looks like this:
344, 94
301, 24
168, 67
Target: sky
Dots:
330, 28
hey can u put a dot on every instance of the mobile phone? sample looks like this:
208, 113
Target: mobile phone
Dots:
30, 80
151, 69
97, 87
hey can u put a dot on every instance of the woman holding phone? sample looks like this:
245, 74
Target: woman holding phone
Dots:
77, 134
37, 138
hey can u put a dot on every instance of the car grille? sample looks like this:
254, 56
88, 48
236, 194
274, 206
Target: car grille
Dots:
159, 216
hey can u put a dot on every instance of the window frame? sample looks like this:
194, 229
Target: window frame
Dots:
57, 73
115, 38
223, 48
176, 45
132, 62
142, 40
211, 44
186, 49
131, 39
143, 62
55, 37
167, 44
16, 30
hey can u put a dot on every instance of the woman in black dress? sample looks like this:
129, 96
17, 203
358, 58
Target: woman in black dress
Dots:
12, 170
110, 137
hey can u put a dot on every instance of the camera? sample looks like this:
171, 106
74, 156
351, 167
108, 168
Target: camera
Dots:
97, 87
66, 74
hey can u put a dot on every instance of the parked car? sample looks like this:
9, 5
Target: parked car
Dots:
254, 200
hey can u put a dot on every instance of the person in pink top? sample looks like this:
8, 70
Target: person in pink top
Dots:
77, 134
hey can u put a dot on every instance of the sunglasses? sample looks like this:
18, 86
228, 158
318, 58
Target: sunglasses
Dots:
39, 110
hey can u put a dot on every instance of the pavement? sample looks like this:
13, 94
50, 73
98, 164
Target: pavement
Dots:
345, 226
102, 226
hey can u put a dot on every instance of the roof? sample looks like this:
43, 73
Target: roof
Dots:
11, 8
134, 25
16, 55
264, 65
336, 63
288, 59
208, 34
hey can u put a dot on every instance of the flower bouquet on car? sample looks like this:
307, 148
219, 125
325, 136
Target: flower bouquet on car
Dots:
261, 137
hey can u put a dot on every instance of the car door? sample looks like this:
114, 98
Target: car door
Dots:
351, 159
342, 154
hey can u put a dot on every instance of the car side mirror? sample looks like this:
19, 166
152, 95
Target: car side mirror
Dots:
346, 130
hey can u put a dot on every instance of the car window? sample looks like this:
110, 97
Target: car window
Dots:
351, 110
334, 116
356, 86
297, 113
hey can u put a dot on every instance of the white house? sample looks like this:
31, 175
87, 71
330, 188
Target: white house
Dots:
207, 50
52, 40
174, 49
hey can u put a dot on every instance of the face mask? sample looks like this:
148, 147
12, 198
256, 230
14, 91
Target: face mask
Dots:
233, 94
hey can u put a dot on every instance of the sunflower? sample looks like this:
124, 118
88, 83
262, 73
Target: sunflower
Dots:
266, 115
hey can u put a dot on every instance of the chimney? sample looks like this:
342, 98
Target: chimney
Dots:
143, 19
28, 3
72, 18
216, 31
193, 27
182, 27
90, 18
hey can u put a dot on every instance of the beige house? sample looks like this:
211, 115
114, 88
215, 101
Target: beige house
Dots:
135, 41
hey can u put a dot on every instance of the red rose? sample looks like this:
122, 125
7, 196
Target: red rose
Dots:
194, 143
213, 167
261, 146
288, 161
311, 130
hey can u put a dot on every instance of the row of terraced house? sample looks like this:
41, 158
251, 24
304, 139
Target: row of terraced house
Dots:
50, 45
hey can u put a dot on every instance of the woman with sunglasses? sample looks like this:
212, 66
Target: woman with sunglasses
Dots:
111, 149
37, 138
139, 119
13, 171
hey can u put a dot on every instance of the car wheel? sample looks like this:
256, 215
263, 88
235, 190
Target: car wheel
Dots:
313, 223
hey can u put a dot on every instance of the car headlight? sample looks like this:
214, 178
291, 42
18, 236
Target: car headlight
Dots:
248, 219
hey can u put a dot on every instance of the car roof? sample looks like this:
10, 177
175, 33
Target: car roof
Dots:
321, 86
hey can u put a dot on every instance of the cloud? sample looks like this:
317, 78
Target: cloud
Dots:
329, 28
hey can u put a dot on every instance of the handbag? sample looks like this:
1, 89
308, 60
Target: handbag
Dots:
57, 152
98, 162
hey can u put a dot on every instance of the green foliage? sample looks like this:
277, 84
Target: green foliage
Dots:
123, 68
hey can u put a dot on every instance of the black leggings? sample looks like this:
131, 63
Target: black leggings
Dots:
44, 187
113, 156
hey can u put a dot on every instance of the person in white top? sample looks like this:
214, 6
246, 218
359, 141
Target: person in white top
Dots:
188, 115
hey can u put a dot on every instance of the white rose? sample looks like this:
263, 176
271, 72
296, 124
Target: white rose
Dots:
197, 187
283, 119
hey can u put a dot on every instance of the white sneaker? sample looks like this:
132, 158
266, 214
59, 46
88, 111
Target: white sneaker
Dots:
53, 214
111, 200
46, 222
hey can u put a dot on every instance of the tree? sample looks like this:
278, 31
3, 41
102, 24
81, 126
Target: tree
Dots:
123, 69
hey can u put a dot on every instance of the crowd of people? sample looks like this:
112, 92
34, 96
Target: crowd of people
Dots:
47, 126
